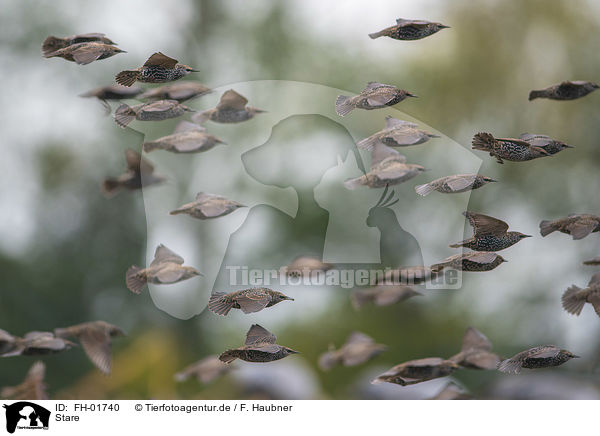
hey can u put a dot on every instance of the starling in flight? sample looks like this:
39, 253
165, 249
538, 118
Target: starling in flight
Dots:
32, 388
155, 111
260, 346
95, 338
536, 357
552, 146
409, 275
565, 91
53, 43
476, 352
382, 295
232, 108
208, 206
578, 226
85, 53
112, 92
188, 138
397, 133
166, 268
140, 173
490, 234
594, 261
516, 150
575, 298
417, 371
409, 30
157, 69
205, 371
477, 261
36, 344
306, 265
374, 96
248, 300
358, 349
454, 184
180, 91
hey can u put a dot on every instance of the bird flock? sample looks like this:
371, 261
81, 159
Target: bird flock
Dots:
388, 168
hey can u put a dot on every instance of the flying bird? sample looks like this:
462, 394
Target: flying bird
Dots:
409, 275
397, 133
208, 206
248, 300
232, 108
32, 388
155, 111
454, 184
476, 261
260, 346
166, 268
578, 226
565, 91
180, 91
575, 298
159, 68
85, 53
53, 43
594, 261
552, 146
382, 295
140, 173
187, 138
374, 96
305, 266
205, 371
409, 30
417, 371
112, 92
516, 150
358, 349
476, 351
33, 344
537, 357
490, 234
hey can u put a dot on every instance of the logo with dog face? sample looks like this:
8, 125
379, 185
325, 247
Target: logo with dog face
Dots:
26, 415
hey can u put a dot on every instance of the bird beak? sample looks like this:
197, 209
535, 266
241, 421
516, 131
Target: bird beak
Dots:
408, 94
527, 236
568, 146
294, 352
285, 297
443, 26
194, 71
492, 180
575, 357
259, 111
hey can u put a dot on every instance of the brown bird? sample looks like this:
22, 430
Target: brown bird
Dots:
140, 173
594, 261
409, 30
95, 338
536, 357
565, 91
112, 92
409, 275
159, 68
36, 344
180, 91
187, 138
552, 146
7, 342
417, 371
478, 261
516, 150
454, 184
32, 388
452, 392
382, 295
166, 268
205, 371
208, 206
260, 346
578, 226
490, 234
358, 349
156, 111
397, 133
232, 108
248, 300
575, 298
374, 96
304, 266
53, 43
85, 53
476, 352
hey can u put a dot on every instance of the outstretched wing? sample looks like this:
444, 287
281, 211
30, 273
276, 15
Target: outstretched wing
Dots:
163, 254
159, 59
381, 152
232, 100
458, 183
485, 225
96, 344
395, 122
474, 339
258, 334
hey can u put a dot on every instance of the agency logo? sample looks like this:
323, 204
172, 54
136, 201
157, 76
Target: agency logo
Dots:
27, 416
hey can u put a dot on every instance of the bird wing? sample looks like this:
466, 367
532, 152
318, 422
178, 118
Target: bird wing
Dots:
457, 183
381, 152
136, 163
395, 122
186, 90
481, 257
160, 106
595, 279
374, 85
392, 172
268, 348
536, 140
359, 338
232, 100
253, 300
169, 274
163, 254
380, 98
485, 225
428, 361
86, 55
544, 353
159, 59
186, 126
483, 360
580, 230
258, 334
474, 339
96, 344
406, 136
415, 23
387, 295
595, 302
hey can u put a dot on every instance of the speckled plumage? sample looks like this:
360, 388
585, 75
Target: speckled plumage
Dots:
397, 133
248, 300
159, 68
490, 234
565, 91
454, 184
538, 357
472, 262
417, 371
511, 149
374, 96
155, 111
260, 346
409, 30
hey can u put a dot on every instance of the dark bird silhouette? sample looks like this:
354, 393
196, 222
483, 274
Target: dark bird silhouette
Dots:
205, 371
180, 91
112, 92
516, 150
248, 300
166, 268
208, 206
260, 346
578, 226
409, 30
374, 96
156, 111
478, 261
490, 234
34, 344
32, 388
417, 371
409, 275
452, 391
537, 357
53, 43
565, 91
95, 338
140, 173
304, 266
575, 298
388, 167
187, 138
454, 184
232, 108
358, 349
476, 352
594, 261
157, 69
397, 133
85, 53
382, 295
552, 146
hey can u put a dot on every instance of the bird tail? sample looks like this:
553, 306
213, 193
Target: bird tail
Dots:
377, 34
219, 305
546, 227
127, 77
571, 303
134, 282
51, 44
509, 366
124, 115
424, 190
535, 94
343, 106
483, 141
328, 360
229, 356
368, 143
354, 183
110, 187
